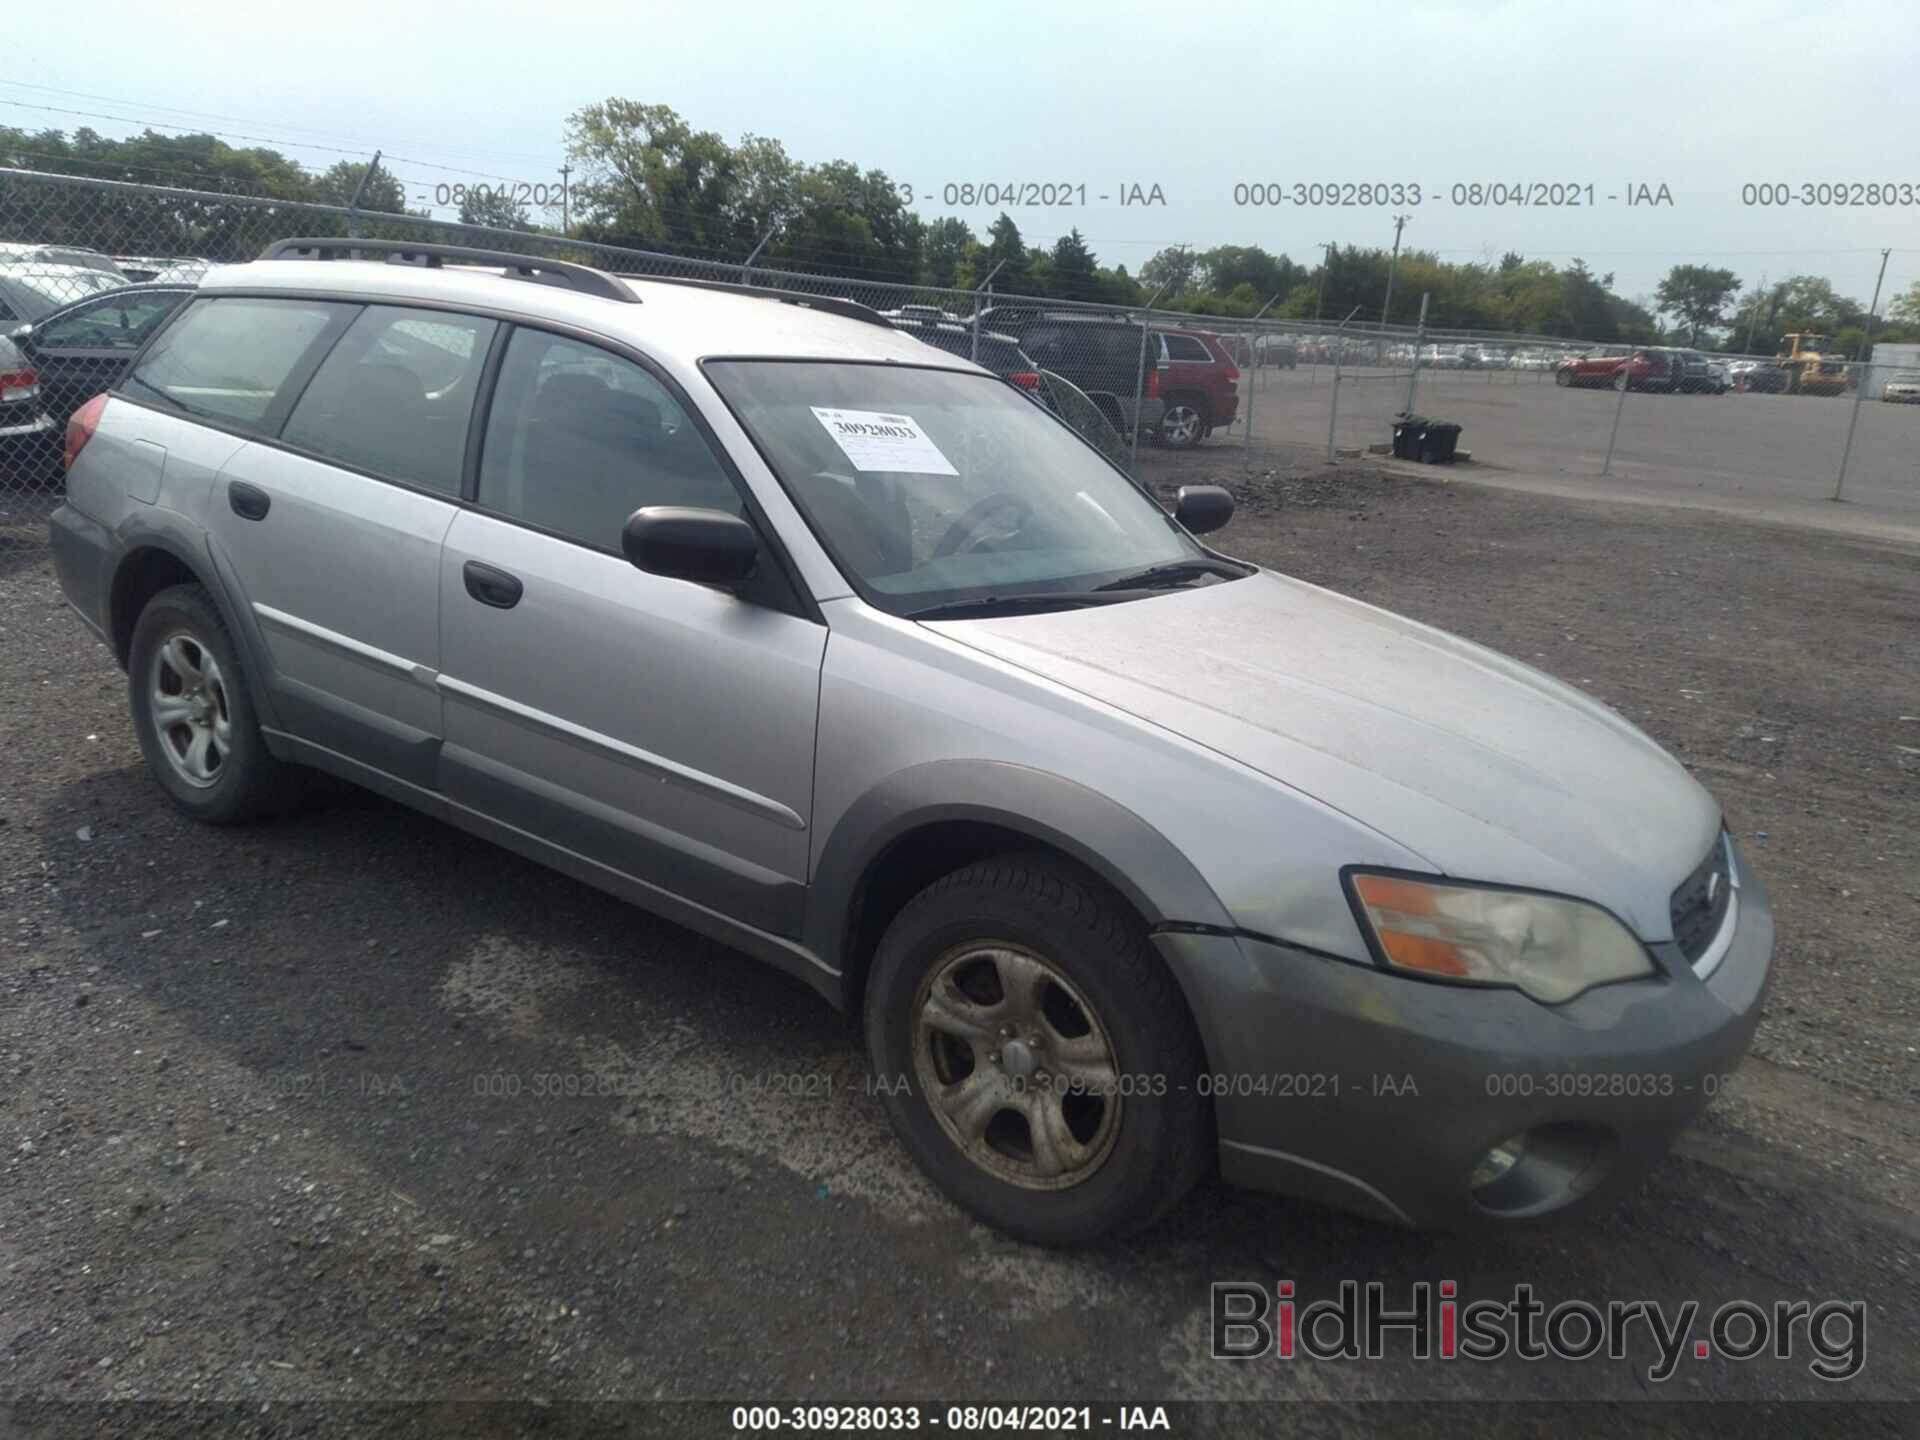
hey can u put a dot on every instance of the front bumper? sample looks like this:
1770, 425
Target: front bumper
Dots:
1348, 1085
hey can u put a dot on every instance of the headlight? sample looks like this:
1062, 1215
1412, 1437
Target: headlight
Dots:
1549, 947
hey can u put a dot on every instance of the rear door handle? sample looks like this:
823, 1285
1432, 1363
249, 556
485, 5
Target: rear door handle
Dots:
249, 502
491, 586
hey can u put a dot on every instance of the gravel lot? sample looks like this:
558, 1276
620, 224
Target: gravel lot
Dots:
353, 1108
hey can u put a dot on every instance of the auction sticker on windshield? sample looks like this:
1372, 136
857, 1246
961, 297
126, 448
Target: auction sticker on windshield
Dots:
873, 441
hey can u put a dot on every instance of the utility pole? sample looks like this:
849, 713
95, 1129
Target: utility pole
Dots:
566, 196
1399, 223
1859, 387
1753, 316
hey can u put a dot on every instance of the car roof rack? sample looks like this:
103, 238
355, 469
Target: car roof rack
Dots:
564, 273
825, 304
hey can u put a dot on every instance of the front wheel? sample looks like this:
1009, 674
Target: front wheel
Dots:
1563, 378
1620, 381
1034, 1054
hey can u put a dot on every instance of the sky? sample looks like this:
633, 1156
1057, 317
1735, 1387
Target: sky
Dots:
1196, 100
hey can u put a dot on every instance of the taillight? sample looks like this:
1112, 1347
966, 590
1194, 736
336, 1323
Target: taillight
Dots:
1233, 372
1153, 384
17, 385
1025, 379
81, 427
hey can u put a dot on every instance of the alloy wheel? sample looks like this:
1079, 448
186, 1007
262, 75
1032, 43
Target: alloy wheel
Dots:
1181, 427
187, 700
1016, 1066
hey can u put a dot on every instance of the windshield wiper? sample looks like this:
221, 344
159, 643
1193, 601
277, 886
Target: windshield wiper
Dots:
1173, 574
1025, 600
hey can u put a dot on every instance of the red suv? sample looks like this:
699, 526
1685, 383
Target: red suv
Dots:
1647, 369
1199, 387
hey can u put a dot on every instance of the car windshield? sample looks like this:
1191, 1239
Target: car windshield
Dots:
937, 488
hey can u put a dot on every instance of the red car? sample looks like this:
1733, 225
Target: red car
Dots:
1199, 386
1643, 369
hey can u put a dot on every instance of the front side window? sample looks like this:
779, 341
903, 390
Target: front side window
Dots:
228, 358
935, 487
119, 322
578, 439
395, 395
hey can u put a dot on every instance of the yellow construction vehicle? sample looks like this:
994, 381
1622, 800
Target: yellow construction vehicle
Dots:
1812, 367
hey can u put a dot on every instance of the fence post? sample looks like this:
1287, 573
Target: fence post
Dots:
1140, 383
1419, 344
360, 190
1339, 355
1253, 372
1859, 387
1626, 384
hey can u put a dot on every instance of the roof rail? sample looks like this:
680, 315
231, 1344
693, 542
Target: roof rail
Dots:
825, 304
564, 273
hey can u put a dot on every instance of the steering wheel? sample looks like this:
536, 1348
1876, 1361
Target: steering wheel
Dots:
964, 529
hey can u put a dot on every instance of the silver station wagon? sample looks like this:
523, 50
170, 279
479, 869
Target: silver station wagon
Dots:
1136, 861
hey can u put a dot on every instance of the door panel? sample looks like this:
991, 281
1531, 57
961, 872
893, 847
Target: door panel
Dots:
342, 574
653, 726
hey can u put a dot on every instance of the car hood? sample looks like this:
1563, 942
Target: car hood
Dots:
1486, 768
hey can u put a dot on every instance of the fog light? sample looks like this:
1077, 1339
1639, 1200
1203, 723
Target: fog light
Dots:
1497, 1162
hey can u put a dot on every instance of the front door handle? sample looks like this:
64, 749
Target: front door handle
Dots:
249, 502
491, 586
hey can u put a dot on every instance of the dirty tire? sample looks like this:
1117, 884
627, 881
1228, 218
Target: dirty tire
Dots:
1164, 1139
249, 781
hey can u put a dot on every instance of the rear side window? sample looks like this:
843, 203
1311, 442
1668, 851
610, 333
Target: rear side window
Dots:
228, 359
1186, 347
394, 396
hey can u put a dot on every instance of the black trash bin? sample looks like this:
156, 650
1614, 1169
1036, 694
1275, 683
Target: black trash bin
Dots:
1407, 430
1438, 442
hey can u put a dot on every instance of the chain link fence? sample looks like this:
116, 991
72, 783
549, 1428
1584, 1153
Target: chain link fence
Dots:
1172, 397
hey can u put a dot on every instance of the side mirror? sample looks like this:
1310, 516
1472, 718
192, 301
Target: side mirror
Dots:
708, 547
1201, 508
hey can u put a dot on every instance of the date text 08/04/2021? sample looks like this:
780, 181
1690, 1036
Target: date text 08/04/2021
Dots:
966, 1419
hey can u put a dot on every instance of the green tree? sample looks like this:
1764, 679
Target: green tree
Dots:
1073, 270
1904, 308
1697, 295
1007, 250
341, 182
1175, 269
944, 251
496, 209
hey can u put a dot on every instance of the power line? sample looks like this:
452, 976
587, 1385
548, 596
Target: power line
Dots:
433, 145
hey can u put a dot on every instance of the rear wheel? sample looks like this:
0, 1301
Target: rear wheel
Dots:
193, 712
1036, 1058
1563, 378
1621, 381
1185, 423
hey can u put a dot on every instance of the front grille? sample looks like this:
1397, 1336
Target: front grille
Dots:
1700, 903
